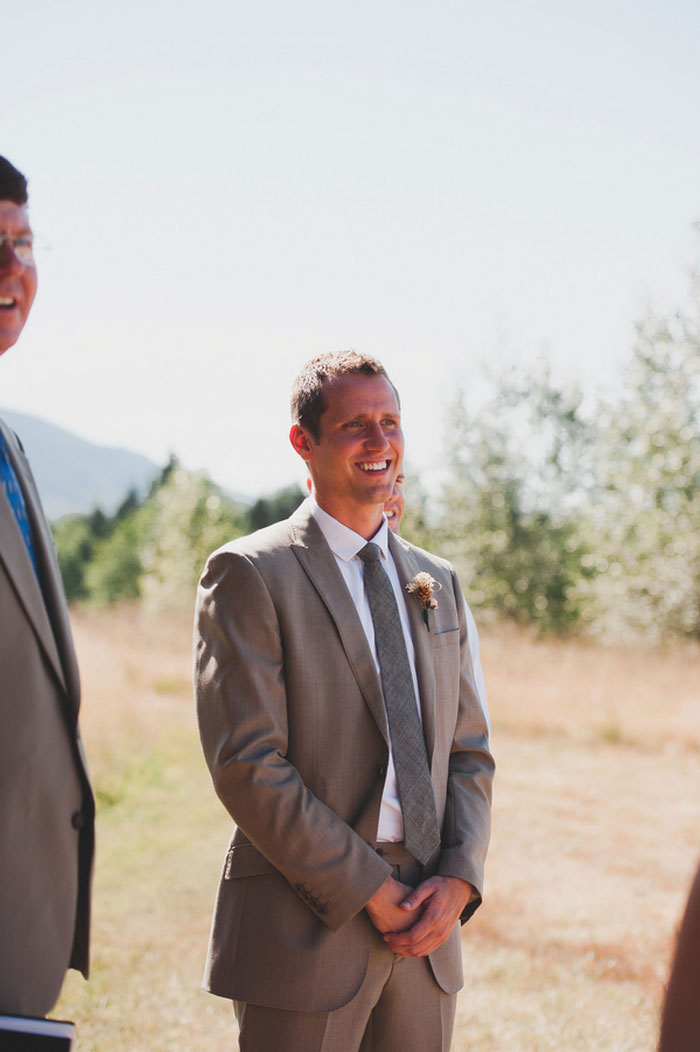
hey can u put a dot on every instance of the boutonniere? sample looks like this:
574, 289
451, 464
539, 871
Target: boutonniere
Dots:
422, 587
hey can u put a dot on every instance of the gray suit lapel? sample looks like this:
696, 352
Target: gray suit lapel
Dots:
407, 568
18, 566
310, 547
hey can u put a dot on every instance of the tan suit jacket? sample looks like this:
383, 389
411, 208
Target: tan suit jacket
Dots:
293, 727
46, 805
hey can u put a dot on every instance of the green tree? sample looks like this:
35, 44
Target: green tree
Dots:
188, 518
279, 506
114, 571
512, 519
419, 519
646, 524
75, 543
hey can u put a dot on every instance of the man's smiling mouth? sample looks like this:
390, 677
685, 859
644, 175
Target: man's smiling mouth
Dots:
380, 465
7, 302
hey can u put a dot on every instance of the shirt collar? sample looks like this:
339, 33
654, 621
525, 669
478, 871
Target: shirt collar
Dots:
344, 542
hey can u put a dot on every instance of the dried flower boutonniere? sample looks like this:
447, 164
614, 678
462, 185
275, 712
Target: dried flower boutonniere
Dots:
422, 587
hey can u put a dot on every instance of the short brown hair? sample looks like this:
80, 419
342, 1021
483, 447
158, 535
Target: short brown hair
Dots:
13, 185
308, 403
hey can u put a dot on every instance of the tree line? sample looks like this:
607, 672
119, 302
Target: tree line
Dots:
569, 515
154, 549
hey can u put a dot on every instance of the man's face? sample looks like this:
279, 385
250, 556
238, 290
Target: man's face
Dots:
17, 279
355, 462
393, 509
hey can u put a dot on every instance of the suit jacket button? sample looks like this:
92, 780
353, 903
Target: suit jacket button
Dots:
381, 771
77, 820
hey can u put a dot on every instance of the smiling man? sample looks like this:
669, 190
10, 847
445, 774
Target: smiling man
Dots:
17, 270
46, 805
343, 730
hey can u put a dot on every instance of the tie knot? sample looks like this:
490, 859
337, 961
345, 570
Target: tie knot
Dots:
370, 553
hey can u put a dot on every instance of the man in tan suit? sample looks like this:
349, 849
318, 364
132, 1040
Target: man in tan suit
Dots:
46, 805
329, 933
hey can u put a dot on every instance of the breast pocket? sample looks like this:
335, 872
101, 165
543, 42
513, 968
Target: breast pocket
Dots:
445, 637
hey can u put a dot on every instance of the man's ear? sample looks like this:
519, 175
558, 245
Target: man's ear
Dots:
300, 442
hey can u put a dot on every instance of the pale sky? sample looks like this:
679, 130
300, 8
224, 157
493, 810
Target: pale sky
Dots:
230, 188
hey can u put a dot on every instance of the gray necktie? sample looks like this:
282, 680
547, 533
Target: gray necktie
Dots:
420, 824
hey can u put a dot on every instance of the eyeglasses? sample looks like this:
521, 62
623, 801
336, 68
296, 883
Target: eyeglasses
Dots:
22, 245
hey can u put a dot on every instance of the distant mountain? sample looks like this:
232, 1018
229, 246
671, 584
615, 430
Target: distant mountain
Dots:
75, 476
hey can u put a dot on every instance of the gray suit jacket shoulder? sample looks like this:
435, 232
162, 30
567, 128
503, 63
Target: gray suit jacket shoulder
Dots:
46, 804
293, 727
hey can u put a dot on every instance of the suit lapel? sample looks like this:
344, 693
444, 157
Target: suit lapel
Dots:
311, 549
407, 568
18, 566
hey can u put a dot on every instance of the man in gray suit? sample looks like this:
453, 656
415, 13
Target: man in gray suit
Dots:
342, 727
46, 804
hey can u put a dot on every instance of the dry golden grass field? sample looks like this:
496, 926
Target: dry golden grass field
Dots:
596, 836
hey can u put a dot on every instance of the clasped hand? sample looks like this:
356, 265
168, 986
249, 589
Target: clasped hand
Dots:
415, 921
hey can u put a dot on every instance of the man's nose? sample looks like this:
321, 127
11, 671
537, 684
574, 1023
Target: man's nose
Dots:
376, 439
9, 260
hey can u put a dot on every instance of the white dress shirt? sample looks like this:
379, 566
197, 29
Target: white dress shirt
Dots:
345, 544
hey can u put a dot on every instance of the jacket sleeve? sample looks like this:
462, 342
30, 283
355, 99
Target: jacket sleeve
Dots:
467, 823
241, 703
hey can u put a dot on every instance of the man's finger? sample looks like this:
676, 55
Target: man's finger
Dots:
424, 891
